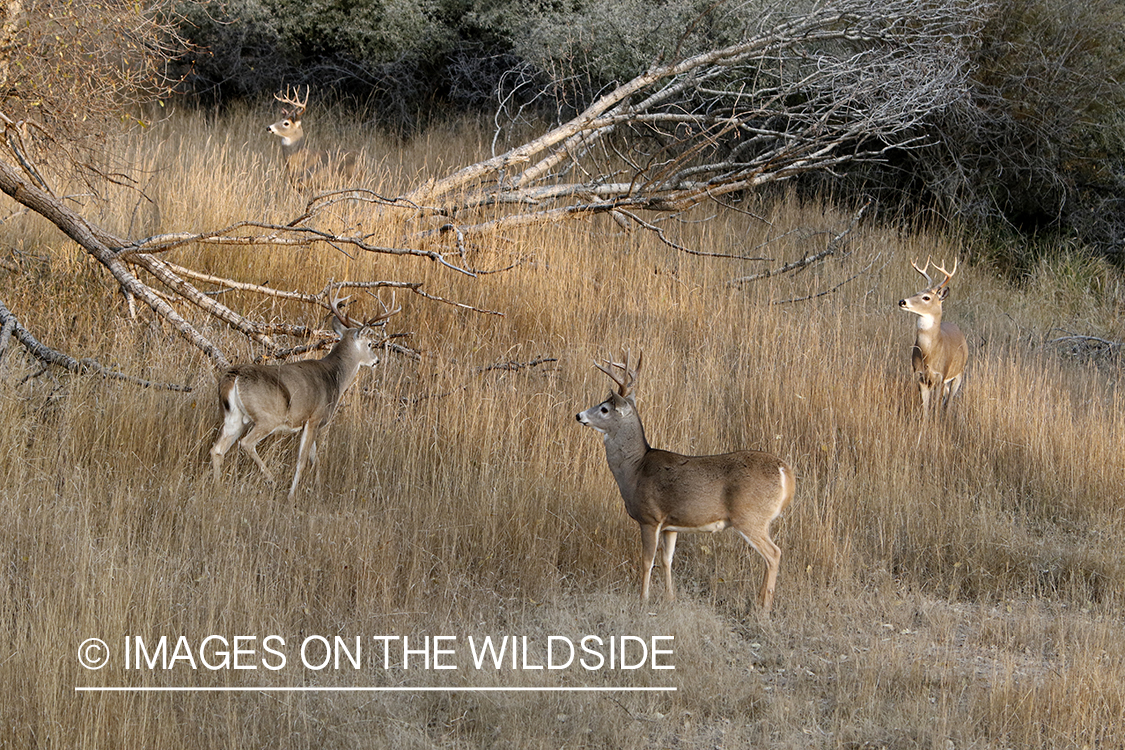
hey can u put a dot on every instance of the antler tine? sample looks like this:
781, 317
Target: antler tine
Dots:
622, 385
628, 375
293, 96
334, 306
631, 372
923, 270
948, 274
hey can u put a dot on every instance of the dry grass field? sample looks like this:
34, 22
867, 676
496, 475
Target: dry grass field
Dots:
959, 588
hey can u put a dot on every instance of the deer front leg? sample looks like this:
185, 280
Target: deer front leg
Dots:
307, 449
668, 550
649, 536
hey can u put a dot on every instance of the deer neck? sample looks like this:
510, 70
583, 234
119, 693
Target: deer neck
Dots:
929, 331
625, 449
340, 368
293, 142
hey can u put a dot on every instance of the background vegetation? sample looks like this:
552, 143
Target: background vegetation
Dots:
1033, 147
960, 586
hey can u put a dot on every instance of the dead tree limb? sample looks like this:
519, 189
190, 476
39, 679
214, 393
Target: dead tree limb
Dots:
10, 327
829, 250
844, 82
78, 229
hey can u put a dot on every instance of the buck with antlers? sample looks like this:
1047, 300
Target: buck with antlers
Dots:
666, 493
294, 397
940, 350
306, 167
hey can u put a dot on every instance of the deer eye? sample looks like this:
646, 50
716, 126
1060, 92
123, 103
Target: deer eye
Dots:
286, 124
926, 298
604, 409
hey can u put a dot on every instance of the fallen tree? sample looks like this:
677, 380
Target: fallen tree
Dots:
844, 82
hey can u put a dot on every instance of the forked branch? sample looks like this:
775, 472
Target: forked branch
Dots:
846, 82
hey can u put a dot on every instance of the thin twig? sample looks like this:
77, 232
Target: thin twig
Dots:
516, 366
826, 292
832, 247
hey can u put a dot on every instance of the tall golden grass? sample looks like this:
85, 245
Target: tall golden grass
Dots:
959, 586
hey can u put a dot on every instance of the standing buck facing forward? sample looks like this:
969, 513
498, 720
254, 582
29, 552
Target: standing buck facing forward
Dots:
940, 350
307, 168
294, 397
667, 493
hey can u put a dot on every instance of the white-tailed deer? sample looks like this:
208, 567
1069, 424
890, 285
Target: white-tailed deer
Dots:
667, 493
940, 350
307, 168
293, 397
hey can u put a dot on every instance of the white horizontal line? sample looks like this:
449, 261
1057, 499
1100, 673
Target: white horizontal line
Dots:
373, 689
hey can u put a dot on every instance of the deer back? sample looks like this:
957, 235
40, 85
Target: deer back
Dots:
298, 392
691, 492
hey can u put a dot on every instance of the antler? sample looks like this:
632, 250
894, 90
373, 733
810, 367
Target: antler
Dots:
293, 96
948, 274
387, 312
335, 303
381, 318
923, 270
628, 377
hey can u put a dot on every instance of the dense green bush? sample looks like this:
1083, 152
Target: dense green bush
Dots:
1041, 144
399, 57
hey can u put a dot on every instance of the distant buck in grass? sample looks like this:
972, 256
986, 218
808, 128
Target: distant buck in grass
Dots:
667, 493
940, 350
294, 397
308, 169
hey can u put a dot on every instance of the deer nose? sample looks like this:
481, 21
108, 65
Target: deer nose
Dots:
902, 303
578, 416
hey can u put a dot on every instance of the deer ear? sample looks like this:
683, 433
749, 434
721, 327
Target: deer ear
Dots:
338, 326
943, 294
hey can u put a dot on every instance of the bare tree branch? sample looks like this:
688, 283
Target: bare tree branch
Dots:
88, 237
11, 327
844, 82
830, 249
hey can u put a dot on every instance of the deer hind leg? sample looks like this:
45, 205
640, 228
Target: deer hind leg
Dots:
313, 462
760, 540
951, 389
649, 536
234, 422
667, 552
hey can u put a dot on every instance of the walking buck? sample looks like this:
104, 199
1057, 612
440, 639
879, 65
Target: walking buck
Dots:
294, 397
940, 350
666, 493
307, 168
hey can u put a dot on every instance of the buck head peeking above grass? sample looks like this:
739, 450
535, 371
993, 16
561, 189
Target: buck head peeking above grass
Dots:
308, 169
